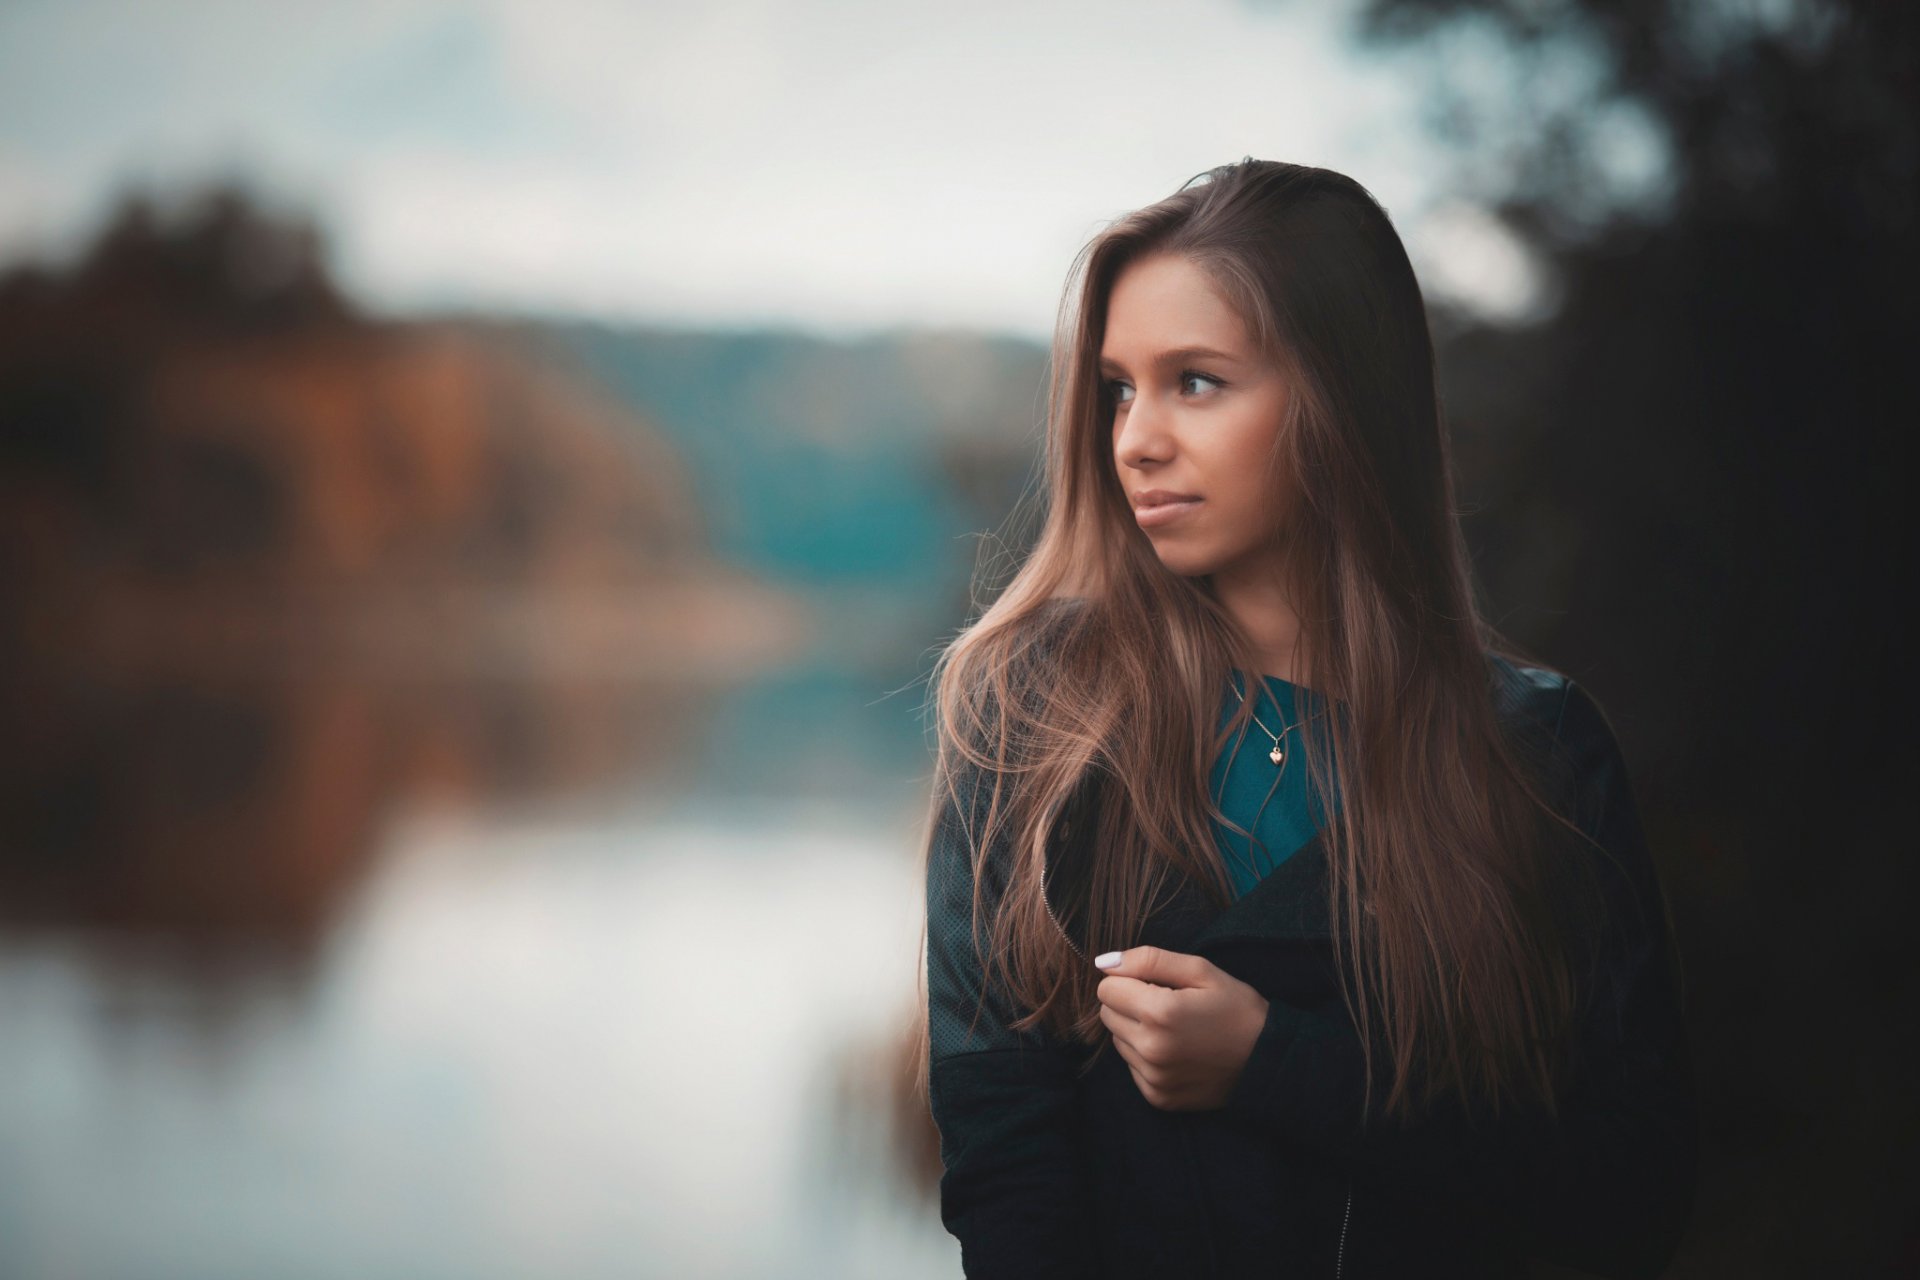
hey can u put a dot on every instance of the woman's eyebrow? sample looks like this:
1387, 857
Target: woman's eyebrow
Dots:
1176, 356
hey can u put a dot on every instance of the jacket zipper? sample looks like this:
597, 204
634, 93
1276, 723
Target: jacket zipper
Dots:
1340, 1257
1048, 904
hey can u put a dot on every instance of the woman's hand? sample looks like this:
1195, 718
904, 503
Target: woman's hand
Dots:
1184, 1026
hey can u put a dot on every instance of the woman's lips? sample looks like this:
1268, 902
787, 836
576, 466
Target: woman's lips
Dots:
1160, 513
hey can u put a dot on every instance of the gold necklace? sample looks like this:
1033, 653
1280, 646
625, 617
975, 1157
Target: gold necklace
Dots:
1279, 753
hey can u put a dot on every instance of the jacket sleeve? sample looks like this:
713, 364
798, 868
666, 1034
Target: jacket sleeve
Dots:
1013, 1190
1606, 1188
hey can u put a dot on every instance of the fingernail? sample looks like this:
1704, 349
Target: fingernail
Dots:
1110, 960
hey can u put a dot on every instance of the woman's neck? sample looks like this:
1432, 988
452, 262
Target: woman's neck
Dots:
1271, 626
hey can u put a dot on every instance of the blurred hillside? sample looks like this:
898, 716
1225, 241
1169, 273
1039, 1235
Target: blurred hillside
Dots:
807, 448
201, 434
275, 573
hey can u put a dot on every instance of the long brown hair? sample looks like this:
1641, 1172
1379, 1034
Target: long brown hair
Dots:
1449, 933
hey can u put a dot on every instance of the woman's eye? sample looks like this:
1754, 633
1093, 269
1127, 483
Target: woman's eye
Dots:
1121, 392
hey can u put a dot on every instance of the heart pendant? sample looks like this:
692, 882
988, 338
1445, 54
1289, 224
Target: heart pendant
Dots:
1276, 755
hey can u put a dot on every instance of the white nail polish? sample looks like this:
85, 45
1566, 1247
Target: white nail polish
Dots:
1108, 960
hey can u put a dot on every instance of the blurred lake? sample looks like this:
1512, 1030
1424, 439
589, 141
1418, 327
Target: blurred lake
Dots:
292, 1005
461, 782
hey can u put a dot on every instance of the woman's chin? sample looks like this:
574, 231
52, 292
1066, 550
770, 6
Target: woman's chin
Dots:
1185, 563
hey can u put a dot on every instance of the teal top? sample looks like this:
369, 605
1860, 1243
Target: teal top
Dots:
1271, 802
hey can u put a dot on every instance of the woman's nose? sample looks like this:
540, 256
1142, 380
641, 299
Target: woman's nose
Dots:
1140, 437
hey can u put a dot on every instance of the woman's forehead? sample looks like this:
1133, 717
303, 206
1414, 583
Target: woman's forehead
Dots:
1165, 307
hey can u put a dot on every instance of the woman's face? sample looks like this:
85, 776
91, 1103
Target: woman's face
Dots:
1196, 412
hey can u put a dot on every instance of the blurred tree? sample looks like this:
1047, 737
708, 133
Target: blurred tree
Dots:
272, 571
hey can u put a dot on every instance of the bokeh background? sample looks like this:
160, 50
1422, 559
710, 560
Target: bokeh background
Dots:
482, 485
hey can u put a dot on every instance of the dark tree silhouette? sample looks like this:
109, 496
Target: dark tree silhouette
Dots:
1689, 486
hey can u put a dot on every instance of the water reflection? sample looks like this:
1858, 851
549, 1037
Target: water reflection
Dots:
420, 854
357, 971
227, 811
535, 1047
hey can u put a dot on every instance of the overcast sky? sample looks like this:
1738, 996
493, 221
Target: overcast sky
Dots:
844, 166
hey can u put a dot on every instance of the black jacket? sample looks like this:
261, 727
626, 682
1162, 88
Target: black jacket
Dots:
1052, 1173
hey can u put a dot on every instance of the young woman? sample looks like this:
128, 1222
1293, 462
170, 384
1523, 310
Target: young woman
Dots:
1282, 920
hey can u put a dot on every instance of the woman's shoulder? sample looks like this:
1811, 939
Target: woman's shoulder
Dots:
1525, 694
1058, 617
1543, 702
1042, 638
1560, 724
1010, 671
